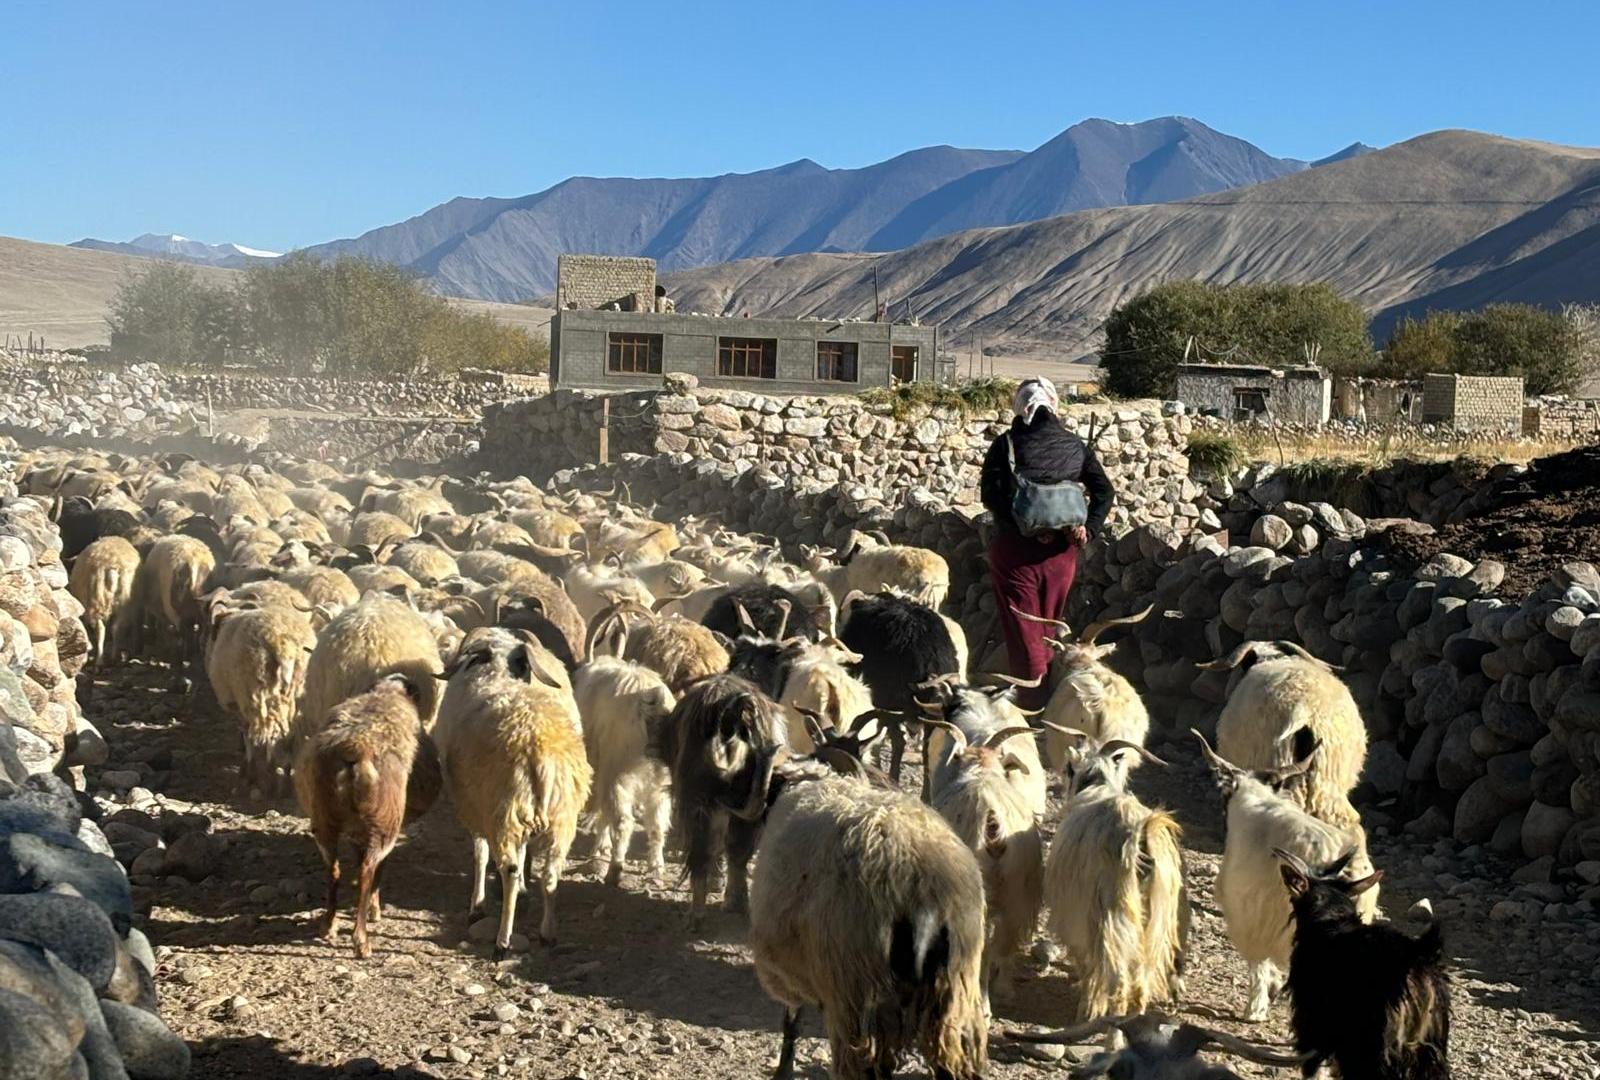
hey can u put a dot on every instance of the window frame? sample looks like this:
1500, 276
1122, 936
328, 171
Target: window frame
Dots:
916, 362
617, 349
843, 353
734, 358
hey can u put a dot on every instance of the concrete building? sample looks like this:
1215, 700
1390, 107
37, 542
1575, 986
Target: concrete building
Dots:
1244, 392
1473, 402
614, 330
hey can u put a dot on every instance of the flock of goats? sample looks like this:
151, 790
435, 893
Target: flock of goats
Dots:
541, 657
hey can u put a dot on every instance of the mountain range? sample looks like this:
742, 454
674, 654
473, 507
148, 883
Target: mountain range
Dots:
505, 249
1453, 219
173, 246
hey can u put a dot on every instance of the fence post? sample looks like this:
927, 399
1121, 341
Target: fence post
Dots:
605, 430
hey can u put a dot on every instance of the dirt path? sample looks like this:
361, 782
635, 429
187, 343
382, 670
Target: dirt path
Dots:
628, 992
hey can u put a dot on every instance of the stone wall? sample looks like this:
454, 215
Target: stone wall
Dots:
1473, 402
818, 442
588, 281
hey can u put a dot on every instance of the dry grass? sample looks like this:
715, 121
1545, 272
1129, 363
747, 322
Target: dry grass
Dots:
1375, 451
966, 398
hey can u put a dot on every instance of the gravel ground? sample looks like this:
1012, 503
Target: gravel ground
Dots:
628, 992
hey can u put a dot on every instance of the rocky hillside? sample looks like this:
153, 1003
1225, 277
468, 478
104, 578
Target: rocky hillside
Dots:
505, 249
1450, 219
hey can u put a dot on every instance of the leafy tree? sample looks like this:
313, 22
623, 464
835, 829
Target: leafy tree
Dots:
163, 314
1148, 335
1550, 350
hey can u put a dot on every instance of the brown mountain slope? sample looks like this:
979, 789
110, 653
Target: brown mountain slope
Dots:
1451, 218
62, 293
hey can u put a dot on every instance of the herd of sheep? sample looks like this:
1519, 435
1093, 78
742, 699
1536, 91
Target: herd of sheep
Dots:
556, 661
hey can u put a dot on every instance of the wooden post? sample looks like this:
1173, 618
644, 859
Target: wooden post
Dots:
605, 430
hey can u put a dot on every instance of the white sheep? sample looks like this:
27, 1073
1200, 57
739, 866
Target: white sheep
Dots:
1262, 816
168, 586
257, 665
1114, 886
1285, 702
921, 574
511, 745
623, 706
102, 581
377, 637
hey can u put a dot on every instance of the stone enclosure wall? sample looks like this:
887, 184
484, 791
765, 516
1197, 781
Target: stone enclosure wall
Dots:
588, 281
1473, 402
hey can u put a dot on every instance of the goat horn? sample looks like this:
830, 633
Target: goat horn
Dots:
1303, 653
1292, 860
1232, 1044
1011, 680
1005, 735
1211, 755
932, 707
1100, 626
744, 616
1118, 745
784, 607
1076, 1034
1062, 729
1232, 660
1026, 617
958, 736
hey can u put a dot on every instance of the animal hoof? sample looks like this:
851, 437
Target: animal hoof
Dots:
547, 940
614, 875
363, 951
499, 953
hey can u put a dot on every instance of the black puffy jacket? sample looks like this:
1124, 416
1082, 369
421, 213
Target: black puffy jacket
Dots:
1047, 453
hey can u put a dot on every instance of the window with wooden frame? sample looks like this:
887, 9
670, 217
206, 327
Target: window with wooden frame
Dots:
747, 358
903, 363
836, 361
633, 354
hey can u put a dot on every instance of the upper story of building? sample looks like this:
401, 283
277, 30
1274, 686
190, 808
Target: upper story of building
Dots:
629, 340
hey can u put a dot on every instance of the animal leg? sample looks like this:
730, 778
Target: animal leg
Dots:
791, 1032
658, 821
330, 855
510, 885
622, 834
897, 750
554, 860
375, 907
99, 644
742, 838
480, 871
366, 894
1262, 977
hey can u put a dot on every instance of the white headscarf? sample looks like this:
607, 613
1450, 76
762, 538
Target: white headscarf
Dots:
1033, 394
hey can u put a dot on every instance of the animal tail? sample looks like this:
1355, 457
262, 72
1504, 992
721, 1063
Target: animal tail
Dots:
1166, 904
938, 1002
357, 784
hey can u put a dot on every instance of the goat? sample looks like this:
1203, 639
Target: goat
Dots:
680, 651
984, 716
992, 816
1114, 886
922, 574
167, 589
867, 906
720, 744
1368, 999
1089, 696
1262, 816
1283, 705
767, 610
353, 778
378, 636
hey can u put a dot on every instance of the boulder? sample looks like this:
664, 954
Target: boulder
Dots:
31, 863
1478, 812
1543, 829
149, 1048
77, 931
1457, 765
34, 1042
1512, 776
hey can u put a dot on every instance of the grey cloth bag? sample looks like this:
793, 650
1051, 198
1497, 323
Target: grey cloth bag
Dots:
1037, 509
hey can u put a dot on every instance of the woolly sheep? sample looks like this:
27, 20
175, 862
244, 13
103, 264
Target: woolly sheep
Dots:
680, 651
256, 665
1262, 816
511, 744
1282, 705
623, 706
167, 589
102, 581
1114, 886
376, 637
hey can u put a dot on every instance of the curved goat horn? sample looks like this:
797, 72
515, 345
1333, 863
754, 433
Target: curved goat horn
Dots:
1232, 1044
1118, 745
999, 738
1027, 617
1100, 626
957, 736
1011, 680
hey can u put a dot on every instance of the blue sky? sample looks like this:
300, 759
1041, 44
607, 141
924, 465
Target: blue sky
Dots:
286, 123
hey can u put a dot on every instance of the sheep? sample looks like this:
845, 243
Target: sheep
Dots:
623, 706
680, 651
511, 744
903, 645
669, 579
922, 574
993, 817
1089, 696
1158, 1049
425, 560
1114, 886
720, 744
593, 589
867, 906
1262, 816
167, 589
323, 585
1369, 1000
548, 527
358, 777
1280, 707
381, 578
82, 523
376, 637
542, 606
375, 528
256, 666
102, 581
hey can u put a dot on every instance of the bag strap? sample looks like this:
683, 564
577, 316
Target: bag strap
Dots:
1011, 454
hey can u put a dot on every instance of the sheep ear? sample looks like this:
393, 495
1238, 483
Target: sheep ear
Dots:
813, 725
869, 731
1012, 763
1293, 880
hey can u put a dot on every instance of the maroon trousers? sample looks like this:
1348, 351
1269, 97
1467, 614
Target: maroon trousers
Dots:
1035, 578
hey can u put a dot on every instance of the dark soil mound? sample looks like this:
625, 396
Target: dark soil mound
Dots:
1532, 522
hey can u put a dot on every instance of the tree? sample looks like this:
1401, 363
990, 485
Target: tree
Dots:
1550, 350
164, 314
1149, 335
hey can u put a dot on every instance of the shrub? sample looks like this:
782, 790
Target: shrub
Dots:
1215, 454
965, 398
1148, 336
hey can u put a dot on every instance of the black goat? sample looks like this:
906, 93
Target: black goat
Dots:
903, 644
768, 608
82, 523
1370, 999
